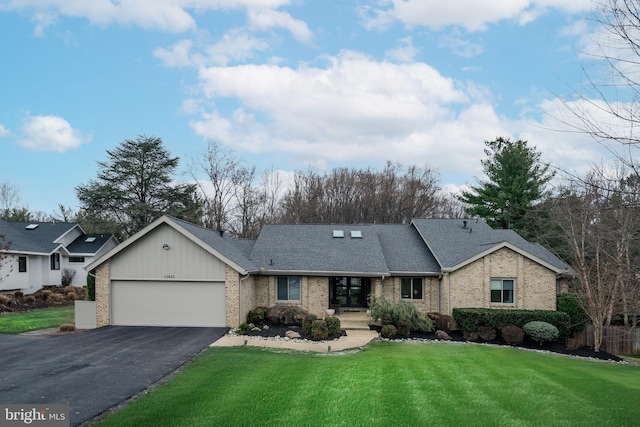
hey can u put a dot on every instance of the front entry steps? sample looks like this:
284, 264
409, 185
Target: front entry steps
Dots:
354, 320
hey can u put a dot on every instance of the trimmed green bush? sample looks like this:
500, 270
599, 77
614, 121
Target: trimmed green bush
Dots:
389, 312
257, 315
541, 331
319, 330
388, 331
308, 322
571, 304
403, 327
244, 328
333, 326
91, 287
471, 319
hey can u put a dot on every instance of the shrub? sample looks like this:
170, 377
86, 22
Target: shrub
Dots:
486, 333
444, 322
91, 287
72, 296
470, 319
403, 327
257, 315
46, 293
388, 331
56, 297
68, 289
541, 331
67, 327
308, 322
571, 304
512, 335
4, 299
18, 294
67, 276
29, 299
389, 312
244, 328
319, 330
285, 314
333, 326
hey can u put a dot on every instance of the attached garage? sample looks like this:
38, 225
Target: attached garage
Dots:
171, 273
156, 303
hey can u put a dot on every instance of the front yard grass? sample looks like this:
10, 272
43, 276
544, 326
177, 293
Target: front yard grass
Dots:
391, 384
17, 323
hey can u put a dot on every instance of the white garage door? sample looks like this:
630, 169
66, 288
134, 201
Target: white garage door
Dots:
147, 303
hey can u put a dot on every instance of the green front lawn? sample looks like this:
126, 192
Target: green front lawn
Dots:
16, 323
391, 384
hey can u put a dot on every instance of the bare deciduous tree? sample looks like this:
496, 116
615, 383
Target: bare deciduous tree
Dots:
393, 195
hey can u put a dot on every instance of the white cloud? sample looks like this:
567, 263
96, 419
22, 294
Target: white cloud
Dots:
50, 133
354, 109
265, 19
4, 131
167, 15
471, 15
459, 45
404, 52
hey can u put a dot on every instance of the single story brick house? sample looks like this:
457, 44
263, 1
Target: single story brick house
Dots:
38, 254
174, 273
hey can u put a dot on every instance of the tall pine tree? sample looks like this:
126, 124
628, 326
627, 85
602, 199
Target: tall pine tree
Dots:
516, 180
134, 187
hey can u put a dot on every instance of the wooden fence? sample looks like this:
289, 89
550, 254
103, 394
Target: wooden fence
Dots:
616, 339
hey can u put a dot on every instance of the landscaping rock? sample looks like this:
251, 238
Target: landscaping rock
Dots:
470, 336
442, 335
292, 335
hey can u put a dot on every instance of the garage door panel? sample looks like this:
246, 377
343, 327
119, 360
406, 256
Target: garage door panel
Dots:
148, 303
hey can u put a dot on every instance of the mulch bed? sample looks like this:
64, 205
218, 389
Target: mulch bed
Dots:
19, 305
553, 347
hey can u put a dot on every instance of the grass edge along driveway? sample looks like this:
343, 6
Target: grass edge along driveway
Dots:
17, 323
391, 384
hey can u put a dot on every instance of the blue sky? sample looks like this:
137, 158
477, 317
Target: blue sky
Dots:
286, 83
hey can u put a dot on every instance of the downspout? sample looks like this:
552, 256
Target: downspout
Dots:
449, 295
240, 298
439, 292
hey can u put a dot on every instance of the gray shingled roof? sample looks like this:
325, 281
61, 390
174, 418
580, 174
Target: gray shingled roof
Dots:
227, 246
80, 246
312, 248
453, 243
38, 240
404, 250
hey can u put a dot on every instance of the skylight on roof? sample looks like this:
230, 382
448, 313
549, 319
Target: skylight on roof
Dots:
32, 226
338, 233
90, 239
356, 234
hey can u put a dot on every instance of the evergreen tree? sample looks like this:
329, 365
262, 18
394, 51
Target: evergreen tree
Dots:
516, 180
133, 188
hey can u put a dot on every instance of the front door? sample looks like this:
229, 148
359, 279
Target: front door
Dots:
350, 291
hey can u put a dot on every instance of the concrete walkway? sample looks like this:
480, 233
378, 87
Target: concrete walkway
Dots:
355, 339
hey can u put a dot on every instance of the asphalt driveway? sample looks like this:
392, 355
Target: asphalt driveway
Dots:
96, 369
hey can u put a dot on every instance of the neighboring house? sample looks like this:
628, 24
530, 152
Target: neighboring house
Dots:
40, 252
174, 273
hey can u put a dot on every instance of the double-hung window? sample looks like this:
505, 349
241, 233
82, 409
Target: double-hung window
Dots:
288, 288
55, 261
411, 288
502, 290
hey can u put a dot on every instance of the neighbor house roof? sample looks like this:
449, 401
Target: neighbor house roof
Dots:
35, 237
88, 244
457, 242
